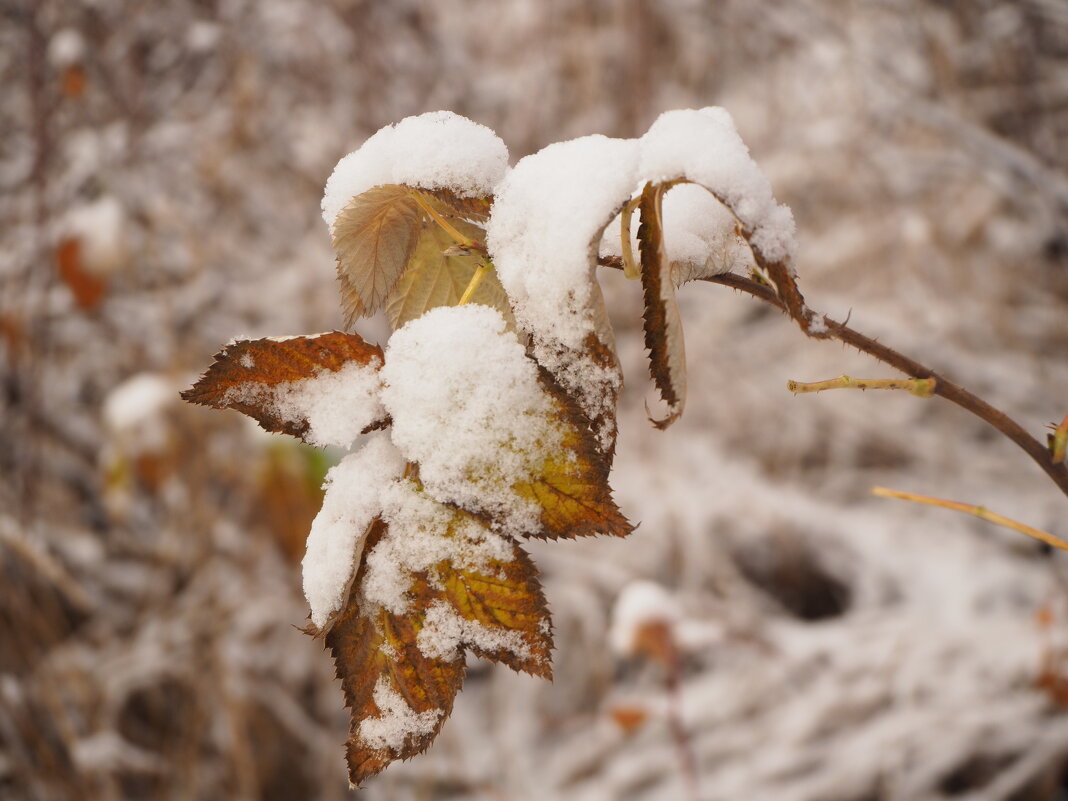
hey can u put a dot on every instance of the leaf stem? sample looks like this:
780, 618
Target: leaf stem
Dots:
978, 511
920, 387
631, 269
446, 226
476, 279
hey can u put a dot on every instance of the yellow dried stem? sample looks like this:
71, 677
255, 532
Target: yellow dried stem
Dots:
631, 268
461, 240
977, 511
476, 279
920, 387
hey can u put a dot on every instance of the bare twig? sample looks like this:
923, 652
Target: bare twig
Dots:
920, 387
978, 511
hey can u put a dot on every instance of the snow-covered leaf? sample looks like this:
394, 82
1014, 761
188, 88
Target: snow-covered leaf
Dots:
323, 388
663, 326
374, 237
398, 696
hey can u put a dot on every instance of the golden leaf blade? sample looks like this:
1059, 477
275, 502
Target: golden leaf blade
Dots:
504, 599
663, 325
436, 277
243, 373
374, 236
571, 489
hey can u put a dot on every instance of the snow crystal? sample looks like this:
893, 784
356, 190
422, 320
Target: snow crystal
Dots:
338, 404
397, 720
444, 631
437, 150
640, 604
703, 146
352, 501
467, 406
423, 533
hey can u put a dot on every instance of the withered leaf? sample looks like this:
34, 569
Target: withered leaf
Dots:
380, 665
399, 690
469, 208
245, 372
663, 326
571, 488
87, 287
438, 276
374, 236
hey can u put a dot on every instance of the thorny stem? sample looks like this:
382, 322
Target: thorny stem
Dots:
978, 511
832, 329
920, 387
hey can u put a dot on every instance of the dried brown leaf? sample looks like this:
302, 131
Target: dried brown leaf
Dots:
243, 373
374, 236
663, 325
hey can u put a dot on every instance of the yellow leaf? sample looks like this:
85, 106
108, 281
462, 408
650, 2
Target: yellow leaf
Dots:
571, 488
434, 278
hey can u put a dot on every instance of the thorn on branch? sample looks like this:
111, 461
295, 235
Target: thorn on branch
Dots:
920, 387
977, 511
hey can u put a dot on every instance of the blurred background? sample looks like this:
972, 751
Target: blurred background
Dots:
161, 166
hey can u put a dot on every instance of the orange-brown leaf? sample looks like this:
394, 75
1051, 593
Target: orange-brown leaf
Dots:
244, 373
571, 489
379, 650
88, 289
663, 326
374, 236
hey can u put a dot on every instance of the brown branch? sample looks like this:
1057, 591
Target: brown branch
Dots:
952, 392
832, 329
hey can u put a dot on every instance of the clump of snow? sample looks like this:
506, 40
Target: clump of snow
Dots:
337, 404
699, 238
642, 603
100, 226
66, 47
467, 407
444, 632
134, 410
436, 150
352, 501
543, 233
703, 146
397, 721
421, 534
547, 216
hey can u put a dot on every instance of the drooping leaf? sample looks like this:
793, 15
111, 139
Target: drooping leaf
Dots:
399, 698
245, 374
663, 326
438, 274
571, 488
374, 236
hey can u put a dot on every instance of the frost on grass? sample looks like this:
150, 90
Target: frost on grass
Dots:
467, 407
397, 723
337, 404
437, 150
543, 234
703, 146
352, 501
